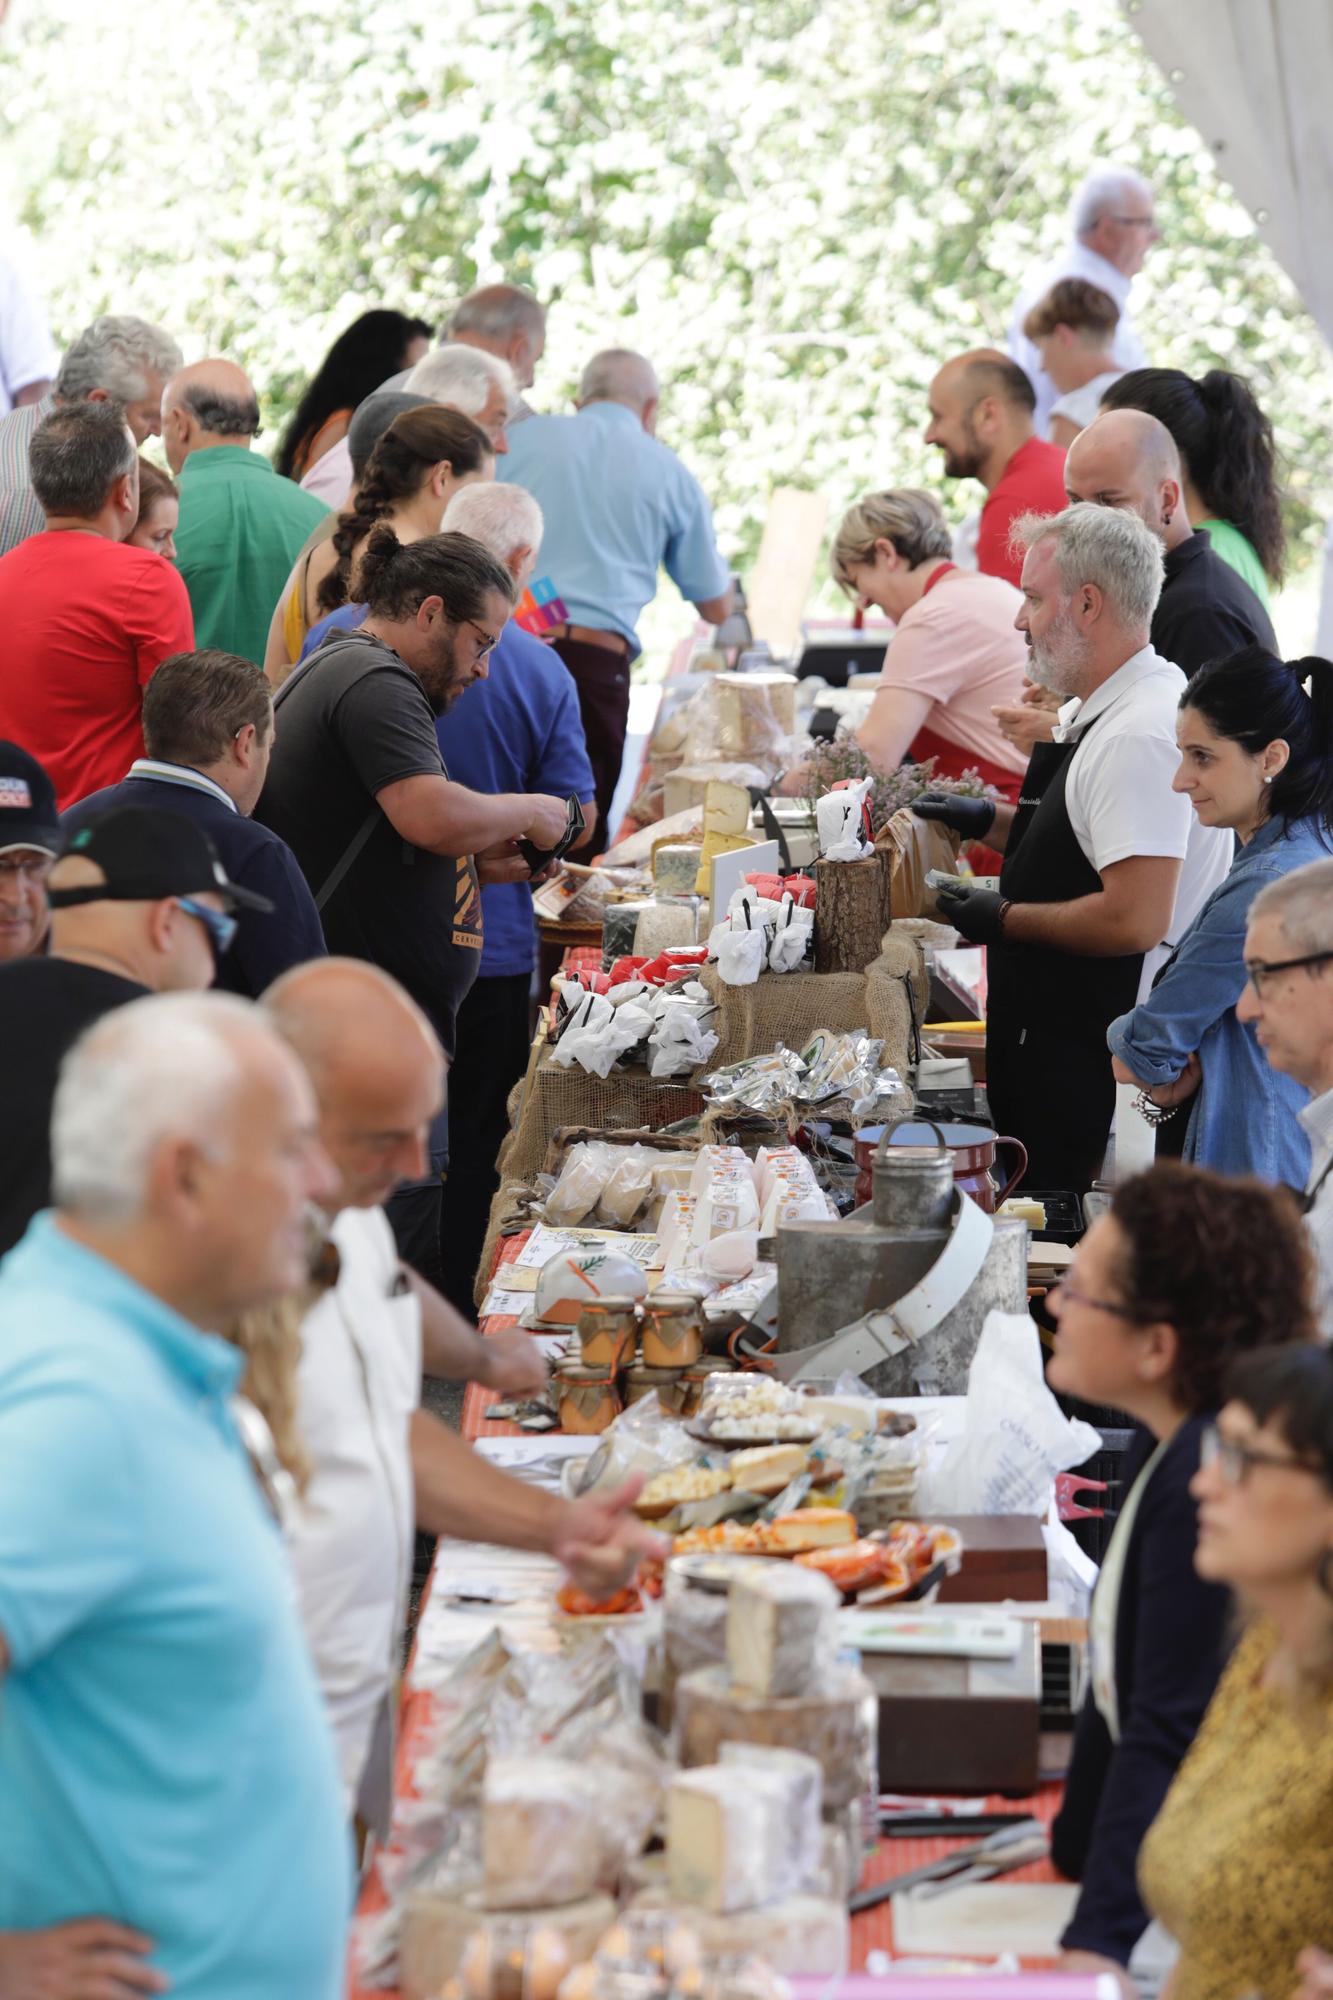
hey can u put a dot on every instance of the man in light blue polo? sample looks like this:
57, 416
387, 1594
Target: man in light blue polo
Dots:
619, 506
170, 1813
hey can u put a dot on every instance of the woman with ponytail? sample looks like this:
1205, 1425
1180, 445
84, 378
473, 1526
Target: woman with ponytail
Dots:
1256, 755
1228, 461
422, 460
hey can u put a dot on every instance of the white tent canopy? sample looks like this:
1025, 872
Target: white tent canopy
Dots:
1255, 77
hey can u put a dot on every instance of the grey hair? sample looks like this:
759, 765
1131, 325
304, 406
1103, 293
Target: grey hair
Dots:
1105, 546
116, 353
497, 312
164, 1067
1302, 902
76, 456
499, 516
223, 416
907, 516
1099, 191
619, 375
463, 377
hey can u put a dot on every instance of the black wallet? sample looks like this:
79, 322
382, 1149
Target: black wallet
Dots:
537, 859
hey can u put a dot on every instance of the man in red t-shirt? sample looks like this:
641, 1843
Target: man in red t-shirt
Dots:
981, 408
86, 618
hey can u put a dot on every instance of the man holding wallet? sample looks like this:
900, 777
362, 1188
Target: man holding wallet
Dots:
394, 850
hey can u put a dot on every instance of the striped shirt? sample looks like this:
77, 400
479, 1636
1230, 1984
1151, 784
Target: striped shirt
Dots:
20, 510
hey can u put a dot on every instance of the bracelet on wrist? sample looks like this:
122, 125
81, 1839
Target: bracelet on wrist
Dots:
1153, 1114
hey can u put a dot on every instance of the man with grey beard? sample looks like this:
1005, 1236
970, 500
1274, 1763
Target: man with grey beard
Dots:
1093, 851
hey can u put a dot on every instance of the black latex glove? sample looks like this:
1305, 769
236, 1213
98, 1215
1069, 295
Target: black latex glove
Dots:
977, 913
973, 818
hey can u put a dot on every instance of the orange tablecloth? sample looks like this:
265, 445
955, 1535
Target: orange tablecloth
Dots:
872, 1930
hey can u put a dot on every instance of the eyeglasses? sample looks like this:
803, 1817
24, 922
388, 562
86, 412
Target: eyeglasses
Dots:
1235, 1461
1068, 1291
32, 867
1257, 971
221, 929
483, 652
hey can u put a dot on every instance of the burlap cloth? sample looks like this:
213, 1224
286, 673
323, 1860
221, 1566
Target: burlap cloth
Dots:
886, 1001
790, 1007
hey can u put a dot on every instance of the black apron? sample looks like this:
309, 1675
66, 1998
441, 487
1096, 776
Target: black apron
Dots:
1048, 1067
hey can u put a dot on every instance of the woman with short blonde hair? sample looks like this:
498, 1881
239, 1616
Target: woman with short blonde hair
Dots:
954, 655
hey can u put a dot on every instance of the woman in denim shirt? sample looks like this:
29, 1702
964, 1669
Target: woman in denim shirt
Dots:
1256, 756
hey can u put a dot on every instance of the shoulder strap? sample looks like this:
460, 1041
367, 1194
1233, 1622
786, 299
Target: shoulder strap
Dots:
336, 875
334, 878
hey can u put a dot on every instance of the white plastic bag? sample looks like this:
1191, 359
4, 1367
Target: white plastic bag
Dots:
740, 956
1015, 1436
838, 818
791, 937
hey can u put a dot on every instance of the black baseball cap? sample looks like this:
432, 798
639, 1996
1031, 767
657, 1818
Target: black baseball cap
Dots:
28, 816
146, 853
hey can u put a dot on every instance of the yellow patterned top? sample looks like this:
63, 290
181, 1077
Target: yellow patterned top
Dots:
1238, 1865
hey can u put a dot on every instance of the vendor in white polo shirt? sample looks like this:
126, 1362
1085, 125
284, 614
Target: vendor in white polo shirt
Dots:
1093, 882
381, 1463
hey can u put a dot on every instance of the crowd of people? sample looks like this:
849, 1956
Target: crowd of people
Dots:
277, 728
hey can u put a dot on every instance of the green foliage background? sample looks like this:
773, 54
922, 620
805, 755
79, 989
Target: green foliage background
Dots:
798, 207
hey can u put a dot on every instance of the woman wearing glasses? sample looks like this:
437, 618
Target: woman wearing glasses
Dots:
1238, 1864
1256, 755
1184, 1274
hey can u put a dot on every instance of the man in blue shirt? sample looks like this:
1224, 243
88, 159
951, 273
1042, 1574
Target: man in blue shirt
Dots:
619, 506
519, 729
208, 734
165, 1760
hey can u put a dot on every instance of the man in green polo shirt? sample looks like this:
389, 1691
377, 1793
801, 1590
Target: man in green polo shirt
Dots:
241, 526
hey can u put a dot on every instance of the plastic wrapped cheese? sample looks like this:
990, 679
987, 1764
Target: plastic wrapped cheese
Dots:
836, 1724
579, 1188
627, 1188
437, 1930
781, 1632
804, 1780
731, 1843
799, 1937
540, 1842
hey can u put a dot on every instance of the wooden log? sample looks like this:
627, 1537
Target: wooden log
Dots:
852, 912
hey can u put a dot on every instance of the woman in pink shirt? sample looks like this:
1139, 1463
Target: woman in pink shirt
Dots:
955, 654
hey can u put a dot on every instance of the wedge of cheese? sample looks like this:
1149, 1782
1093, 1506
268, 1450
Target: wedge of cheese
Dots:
767, 1468
729, 1837
781, 1632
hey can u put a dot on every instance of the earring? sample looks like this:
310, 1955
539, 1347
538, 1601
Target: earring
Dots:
1268, 781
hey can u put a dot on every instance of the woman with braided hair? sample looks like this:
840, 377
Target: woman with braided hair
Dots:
421, 461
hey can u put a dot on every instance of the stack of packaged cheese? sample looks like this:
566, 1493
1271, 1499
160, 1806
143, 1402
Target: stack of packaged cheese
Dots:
774, 1742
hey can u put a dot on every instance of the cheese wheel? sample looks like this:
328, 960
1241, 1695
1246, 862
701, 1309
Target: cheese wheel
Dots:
539, 1837
836, 1724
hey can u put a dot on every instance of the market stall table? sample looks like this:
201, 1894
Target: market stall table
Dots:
871, 1930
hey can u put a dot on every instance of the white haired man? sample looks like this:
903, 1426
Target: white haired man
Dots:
172, 1818
505, 321
519, 730
476, 383
1091, 882
381, 1463
118, 359
619, 507
1289, 1001
1112, 227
